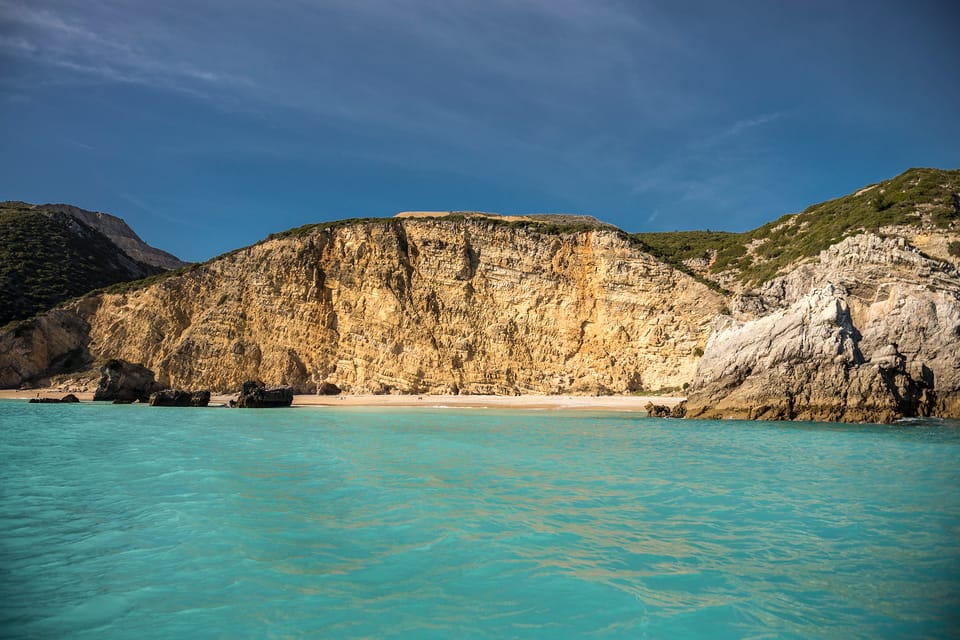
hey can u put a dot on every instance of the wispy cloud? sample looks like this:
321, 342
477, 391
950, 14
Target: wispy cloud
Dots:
723, 172
532, 77
674, 173
739, 127
69, 41
159, 213
77, 143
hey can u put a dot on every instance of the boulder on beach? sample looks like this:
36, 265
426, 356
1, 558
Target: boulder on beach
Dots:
256, 395
67, 399
179, 398
126, 382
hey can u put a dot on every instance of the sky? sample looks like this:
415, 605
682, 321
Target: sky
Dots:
209, 124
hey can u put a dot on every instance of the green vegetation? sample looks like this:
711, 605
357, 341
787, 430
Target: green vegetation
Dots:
954, 249
299, 232
548, 224
678, 246
133, 285
929, 197
46, 258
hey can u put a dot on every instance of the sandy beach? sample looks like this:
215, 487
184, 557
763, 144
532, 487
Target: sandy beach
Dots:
604, 403
586, 403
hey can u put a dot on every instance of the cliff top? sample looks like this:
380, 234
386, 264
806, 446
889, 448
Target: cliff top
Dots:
571, 219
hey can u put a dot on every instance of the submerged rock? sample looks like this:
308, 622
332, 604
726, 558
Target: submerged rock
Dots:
123, 381
179, 398
255, 395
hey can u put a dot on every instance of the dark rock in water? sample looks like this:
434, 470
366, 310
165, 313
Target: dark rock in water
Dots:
123, 402
328, 389
179, 398
679, 411
126, 382
663, 411
256, 396
67, 399
657, 410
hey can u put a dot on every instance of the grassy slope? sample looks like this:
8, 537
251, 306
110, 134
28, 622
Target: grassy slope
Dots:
48, 258
928, 197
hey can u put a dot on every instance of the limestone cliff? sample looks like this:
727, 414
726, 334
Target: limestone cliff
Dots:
456, 305
870, 331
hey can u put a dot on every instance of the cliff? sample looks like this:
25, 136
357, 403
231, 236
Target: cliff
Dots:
866, 330
867, 333
461, 304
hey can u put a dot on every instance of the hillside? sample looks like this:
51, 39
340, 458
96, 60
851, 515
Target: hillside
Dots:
49, 254
921, 200
120, 234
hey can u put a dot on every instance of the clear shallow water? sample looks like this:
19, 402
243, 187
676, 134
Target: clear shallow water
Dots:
139, 522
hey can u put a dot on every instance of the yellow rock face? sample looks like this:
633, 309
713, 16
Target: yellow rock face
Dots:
406, 305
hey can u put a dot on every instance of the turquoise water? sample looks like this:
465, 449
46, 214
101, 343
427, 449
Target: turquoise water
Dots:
138, 522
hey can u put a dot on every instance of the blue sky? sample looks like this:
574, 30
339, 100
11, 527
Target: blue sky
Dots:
209, 124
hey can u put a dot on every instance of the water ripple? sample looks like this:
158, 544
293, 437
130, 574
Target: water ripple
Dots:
122, 521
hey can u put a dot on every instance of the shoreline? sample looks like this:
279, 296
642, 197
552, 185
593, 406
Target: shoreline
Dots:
558, 402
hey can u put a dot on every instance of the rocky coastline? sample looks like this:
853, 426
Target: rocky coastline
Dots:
463, 304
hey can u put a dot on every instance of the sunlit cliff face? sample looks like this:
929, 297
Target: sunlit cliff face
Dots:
411, 305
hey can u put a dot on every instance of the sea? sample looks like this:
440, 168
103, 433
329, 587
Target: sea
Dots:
128, 521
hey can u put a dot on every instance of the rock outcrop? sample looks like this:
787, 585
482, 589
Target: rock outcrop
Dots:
869, 332
255, 395
456, 305
123, 381
179, 398
663, 411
